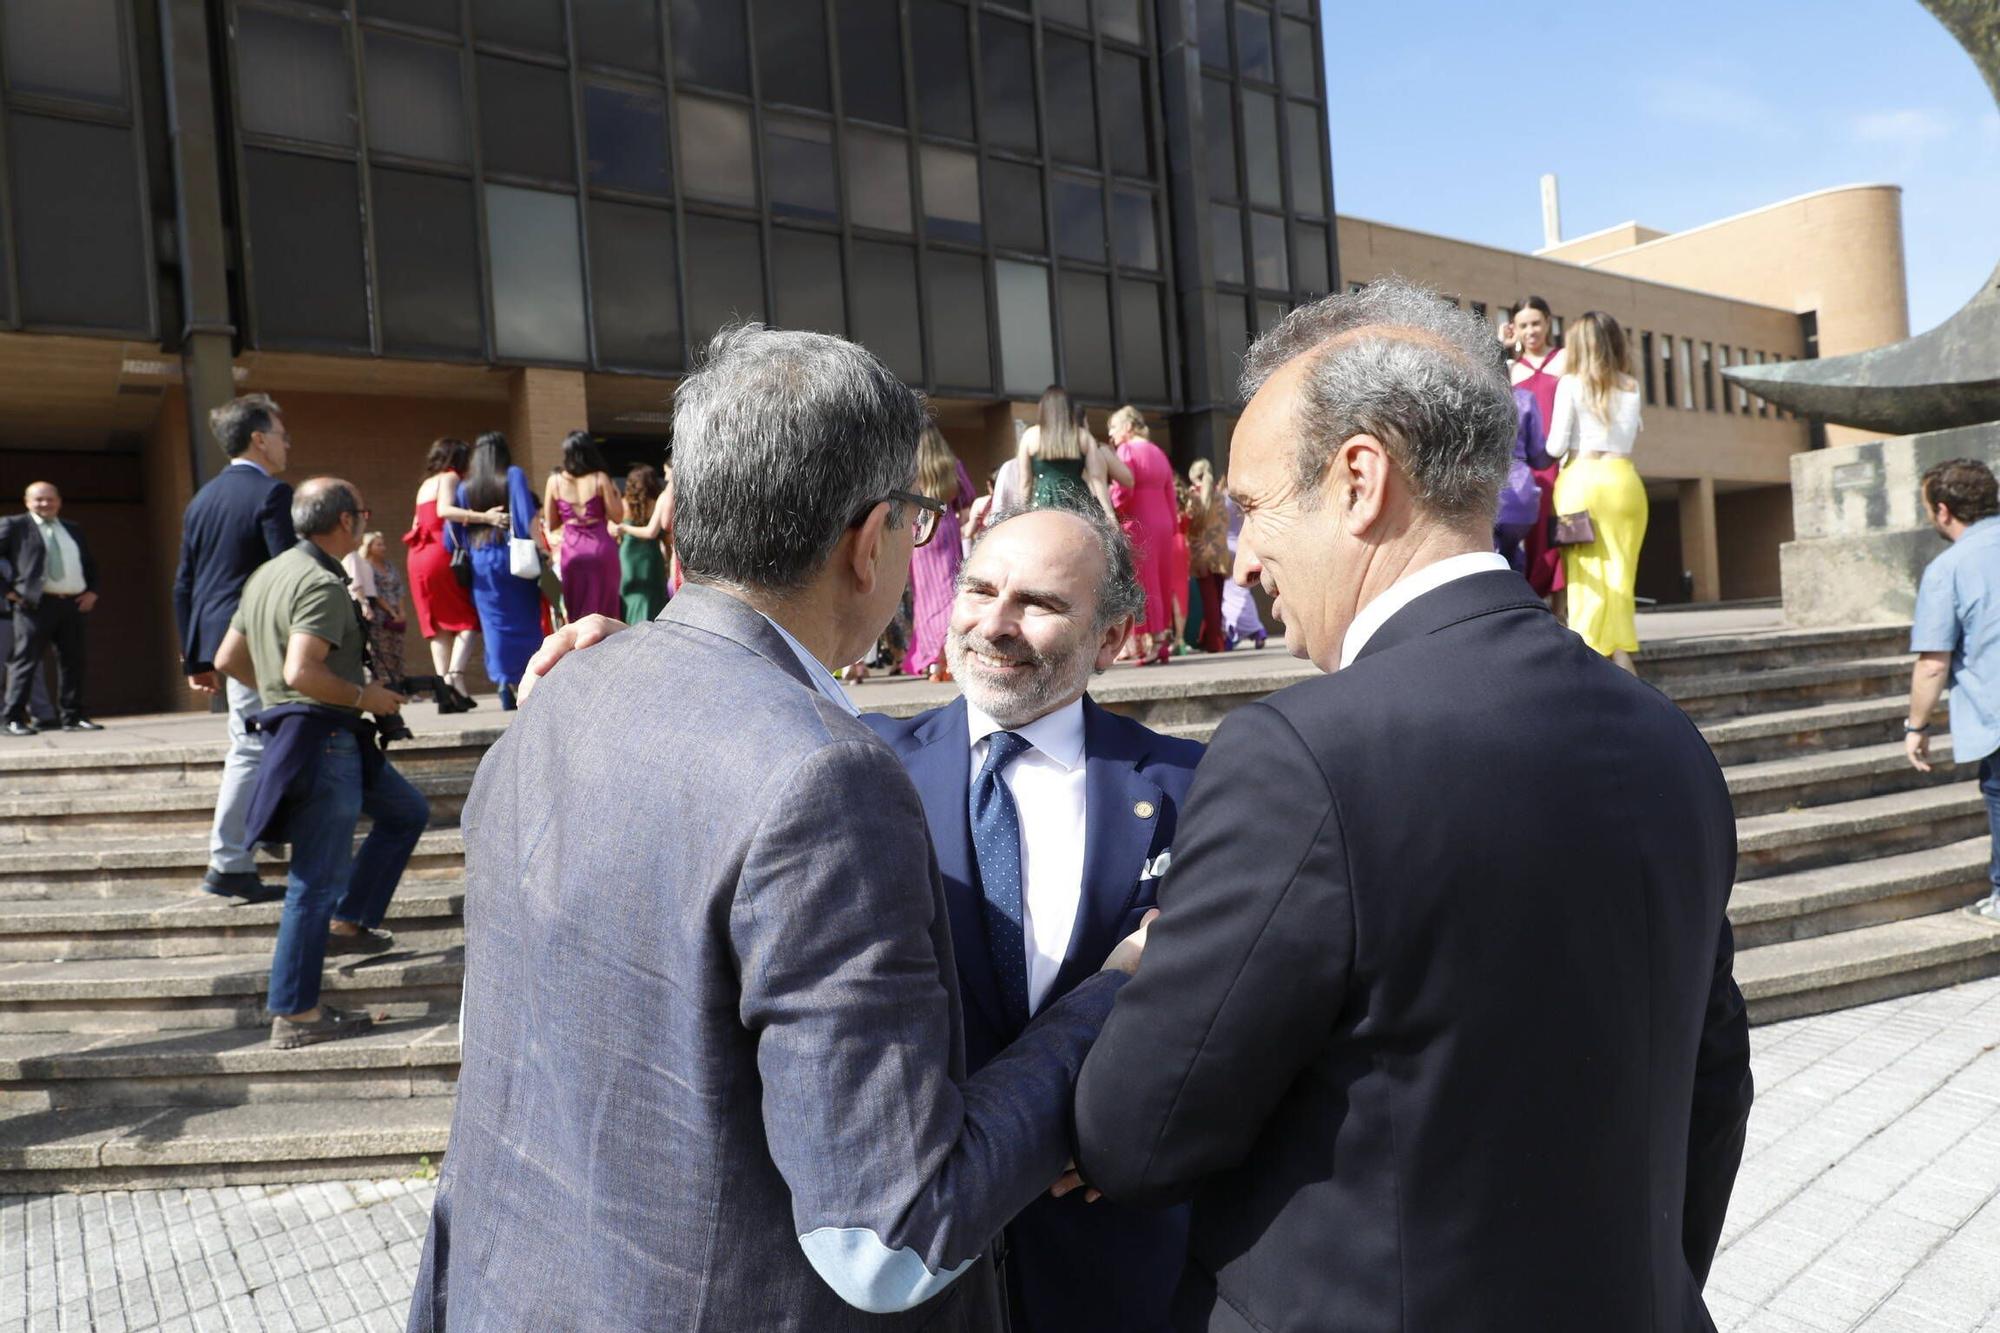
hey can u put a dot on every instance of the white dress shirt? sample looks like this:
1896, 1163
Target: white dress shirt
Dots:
1047, 783
250, 462
1406, 590
56, 535
822, 679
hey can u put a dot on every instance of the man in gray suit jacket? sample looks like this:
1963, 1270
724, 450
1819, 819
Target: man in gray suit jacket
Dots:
714, 1072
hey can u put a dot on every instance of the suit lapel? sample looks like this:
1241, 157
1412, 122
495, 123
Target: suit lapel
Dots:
940, 765
1117, 841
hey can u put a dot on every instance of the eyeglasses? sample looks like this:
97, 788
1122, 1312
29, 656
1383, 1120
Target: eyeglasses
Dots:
922, 528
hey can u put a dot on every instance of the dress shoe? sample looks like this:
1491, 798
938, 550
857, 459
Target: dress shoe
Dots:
16, 727
242, 884
81, 724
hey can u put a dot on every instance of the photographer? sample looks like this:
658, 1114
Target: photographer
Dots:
297, 639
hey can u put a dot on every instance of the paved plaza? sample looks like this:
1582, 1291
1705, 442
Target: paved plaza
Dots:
1869, 1199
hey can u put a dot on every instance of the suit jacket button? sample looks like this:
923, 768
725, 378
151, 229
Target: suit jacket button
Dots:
1143, 809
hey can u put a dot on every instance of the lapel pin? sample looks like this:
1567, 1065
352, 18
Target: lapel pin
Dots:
1143, 809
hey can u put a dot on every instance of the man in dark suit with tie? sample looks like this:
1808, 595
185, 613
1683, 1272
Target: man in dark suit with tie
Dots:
1052, 819
51, 585
1437, 1027
240, 519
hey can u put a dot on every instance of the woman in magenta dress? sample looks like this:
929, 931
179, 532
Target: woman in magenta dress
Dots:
1148, 512
581, 501
445, 614
1536, 366
934, 565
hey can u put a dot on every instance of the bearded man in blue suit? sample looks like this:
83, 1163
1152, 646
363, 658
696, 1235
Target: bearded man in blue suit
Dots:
1053, 820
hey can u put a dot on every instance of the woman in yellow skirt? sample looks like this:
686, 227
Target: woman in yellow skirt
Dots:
1595, 422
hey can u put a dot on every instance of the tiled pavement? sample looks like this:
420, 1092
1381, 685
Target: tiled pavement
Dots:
1869, 1199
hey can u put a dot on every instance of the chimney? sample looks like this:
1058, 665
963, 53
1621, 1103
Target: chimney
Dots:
1552, 218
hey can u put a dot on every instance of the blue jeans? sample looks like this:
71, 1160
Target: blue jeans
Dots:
327, 879
1989, 787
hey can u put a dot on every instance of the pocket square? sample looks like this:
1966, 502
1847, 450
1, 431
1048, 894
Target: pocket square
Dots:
1156, 867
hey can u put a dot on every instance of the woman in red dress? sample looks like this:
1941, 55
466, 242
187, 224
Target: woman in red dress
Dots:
1536, 365
444, 609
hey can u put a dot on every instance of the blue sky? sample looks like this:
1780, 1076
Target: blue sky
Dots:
1445, 113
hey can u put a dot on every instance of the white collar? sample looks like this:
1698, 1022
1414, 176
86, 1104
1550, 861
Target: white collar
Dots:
41, 522
1406, 590
1059, 735
250, 462
822, 679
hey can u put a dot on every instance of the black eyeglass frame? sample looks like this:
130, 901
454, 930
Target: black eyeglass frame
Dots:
930, 511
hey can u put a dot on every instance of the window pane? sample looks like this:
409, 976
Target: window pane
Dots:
621, 33
871, 61
79, 245
1122, 19
1220, 121
1308, 167
1014, 206
944, 69
951, 193
959, 348
1226, 227
725, 279
1253, 44
1268, 315
537, 274
633, 286
885, 307
1135, 233
805, 281
1127, 125
1086, 317
1303, 8
531, 25
1027, 351
1212, 21
439, 14
1267, 251
1260, 148
626, 133
878, 181
1073, 128
305, 263
1309, 273
292, 78
427, 264
710, 45
798, 162
715, 151
1301, 58
791, 53
416, 105
1231, 338
524, 123
66, 48
1079, 220
1142, 341
1007, 83
1076, 13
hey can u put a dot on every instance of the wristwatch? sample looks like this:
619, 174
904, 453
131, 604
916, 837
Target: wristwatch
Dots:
1914, 730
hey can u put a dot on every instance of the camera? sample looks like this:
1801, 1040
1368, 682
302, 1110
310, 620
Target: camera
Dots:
390, 727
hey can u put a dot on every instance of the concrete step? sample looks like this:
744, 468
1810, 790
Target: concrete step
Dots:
1812, 976
1680, 659
1813, 729
1827, 899
1737, 693
91, 816
1805, 780
224, 1067
1873, 826
119, 1147
424, 914
225, 990
166, 863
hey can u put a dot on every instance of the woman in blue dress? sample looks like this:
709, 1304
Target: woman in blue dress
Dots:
510, 607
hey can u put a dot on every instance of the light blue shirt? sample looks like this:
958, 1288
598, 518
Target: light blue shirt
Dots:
1958, 612
822, 679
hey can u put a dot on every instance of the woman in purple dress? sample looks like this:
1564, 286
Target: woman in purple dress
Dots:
934, 565
579, 502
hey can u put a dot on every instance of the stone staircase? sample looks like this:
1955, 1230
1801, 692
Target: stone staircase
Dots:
133, 1043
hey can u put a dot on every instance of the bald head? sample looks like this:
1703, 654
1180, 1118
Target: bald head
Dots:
322, 505
43, 499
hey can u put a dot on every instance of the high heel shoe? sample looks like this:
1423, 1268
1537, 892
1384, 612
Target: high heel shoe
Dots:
461, 701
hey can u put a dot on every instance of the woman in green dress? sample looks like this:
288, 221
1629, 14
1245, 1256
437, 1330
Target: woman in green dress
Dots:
1067, 466
642, 549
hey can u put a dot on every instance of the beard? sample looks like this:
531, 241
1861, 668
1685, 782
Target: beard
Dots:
1036, 683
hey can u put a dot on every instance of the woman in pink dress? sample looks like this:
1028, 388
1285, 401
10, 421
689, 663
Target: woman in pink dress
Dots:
581, 500
1147, 511
934, 565
1536, 366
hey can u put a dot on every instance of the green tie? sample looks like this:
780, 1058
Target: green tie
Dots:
55, 564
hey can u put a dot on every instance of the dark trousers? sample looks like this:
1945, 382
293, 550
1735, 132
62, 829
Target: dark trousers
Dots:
1989, 787
54, 622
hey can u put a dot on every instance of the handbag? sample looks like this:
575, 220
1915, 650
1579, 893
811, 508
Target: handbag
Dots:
1573, 529
523, 560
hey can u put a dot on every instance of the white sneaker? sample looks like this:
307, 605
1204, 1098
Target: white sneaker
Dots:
1987, 909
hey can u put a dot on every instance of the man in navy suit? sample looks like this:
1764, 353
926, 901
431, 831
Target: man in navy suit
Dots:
240, 519
1044, 601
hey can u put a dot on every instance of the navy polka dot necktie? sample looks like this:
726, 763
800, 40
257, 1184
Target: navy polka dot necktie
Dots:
996, 848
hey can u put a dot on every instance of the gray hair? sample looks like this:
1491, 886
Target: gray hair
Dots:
318, 504
1398, 362
240, 418
781, 439
1118, 592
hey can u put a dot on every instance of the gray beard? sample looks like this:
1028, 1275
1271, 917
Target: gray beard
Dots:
1051, 682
